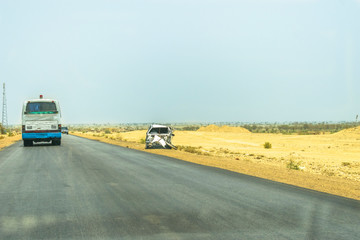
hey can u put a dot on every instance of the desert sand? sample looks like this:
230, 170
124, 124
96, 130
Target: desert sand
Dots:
5, 140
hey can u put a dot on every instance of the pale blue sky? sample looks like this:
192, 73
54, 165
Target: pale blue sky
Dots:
183, 60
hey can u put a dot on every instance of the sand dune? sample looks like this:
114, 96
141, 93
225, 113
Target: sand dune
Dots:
349, 132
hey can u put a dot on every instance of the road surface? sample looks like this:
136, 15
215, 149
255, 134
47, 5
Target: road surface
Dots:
85, 189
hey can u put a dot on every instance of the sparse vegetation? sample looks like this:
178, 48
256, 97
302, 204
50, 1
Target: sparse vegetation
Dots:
267, 145
10, 134
346, 164
188, 128
300, 128
328, 172
226, 151
142, 141
2, 129
119, 137
190, 149
293, 165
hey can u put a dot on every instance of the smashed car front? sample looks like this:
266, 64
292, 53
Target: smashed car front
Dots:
158, 136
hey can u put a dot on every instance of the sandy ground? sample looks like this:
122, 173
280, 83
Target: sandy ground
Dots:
328, 163
6, 141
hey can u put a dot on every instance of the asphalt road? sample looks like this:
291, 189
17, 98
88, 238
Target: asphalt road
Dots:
85, 189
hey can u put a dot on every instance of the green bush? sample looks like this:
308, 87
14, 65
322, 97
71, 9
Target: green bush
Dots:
267, 145
142, 141
293, 165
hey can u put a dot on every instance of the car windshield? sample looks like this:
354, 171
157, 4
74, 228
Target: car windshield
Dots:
159, 130
41, 108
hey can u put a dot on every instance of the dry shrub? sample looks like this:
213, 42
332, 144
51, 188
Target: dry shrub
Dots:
328, 172
190, 149
346, 164
293, 165
267, 145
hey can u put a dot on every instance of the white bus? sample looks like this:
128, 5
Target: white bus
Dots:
41, 121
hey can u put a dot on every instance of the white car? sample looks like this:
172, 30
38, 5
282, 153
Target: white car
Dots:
159, 136
64, 130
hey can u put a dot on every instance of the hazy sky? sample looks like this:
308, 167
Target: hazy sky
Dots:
183, 60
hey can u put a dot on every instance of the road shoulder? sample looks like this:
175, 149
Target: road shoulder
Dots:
6, 141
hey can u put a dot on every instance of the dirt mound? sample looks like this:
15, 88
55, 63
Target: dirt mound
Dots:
350, 131
209, 128
225, 128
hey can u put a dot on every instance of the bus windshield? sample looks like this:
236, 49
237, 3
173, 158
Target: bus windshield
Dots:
41, 108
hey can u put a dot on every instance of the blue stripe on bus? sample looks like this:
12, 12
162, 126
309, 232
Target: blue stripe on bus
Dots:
41, 135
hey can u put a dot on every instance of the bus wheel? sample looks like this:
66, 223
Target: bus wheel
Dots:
56, 142
28, 143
